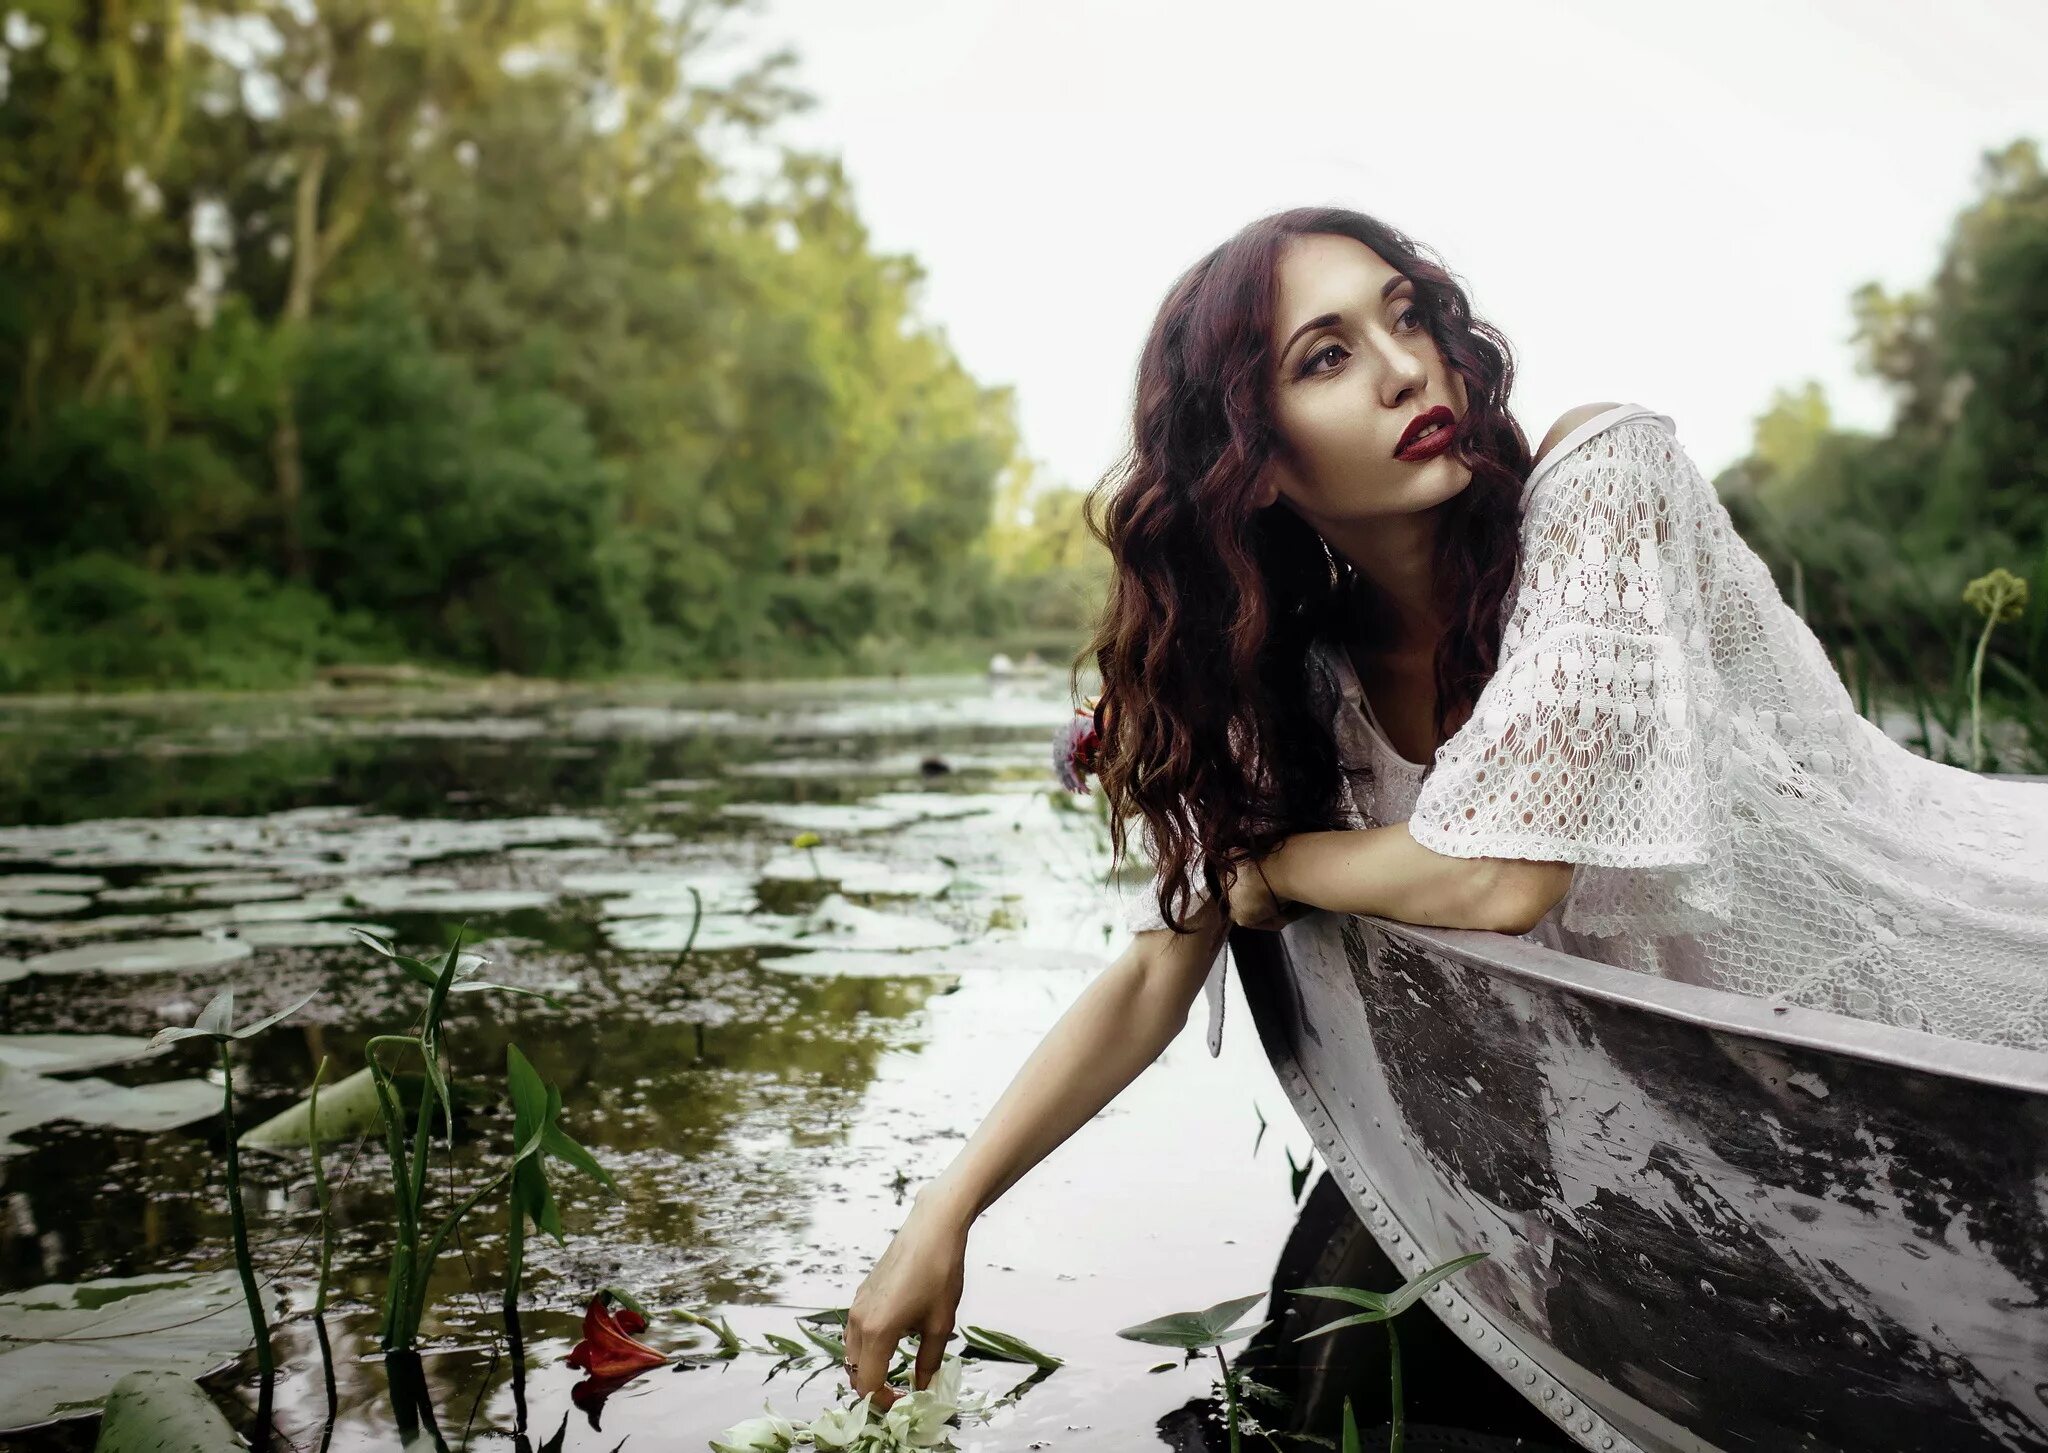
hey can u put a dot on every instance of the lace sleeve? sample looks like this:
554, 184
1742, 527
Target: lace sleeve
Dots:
1599, 740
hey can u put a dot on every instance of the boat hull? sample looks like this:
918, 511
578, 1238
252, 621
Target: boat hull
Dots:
1715, 1223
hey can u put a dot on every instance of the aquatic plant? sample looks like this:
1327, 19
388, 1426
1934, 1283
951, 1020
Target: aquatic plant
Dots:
1194, 1331
413, 1251
216, 1022
1999, 597
1384, 1307
536, 1136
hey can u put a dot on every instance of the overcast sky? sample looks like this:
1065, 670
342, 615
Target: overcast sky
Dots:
1660, 204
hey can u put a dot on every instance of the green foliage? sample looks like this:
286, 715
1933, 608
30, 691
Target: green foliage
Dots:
1874, 537
640, 420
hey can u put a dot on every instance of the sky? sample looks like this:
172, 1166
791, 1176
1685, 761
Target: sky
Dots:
1658, 204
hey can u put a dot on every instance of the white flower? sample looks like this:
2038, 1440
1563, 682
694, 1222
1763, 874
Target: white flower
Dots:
770, 1434
839, 1428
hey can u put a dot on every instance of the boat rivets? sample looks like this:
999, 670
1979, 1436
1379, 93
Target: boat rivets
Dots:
1858, 1340
1707, 1288
1514, 1362
1568, 1407
1606, 1442
1528, 1377
1586, 1426
1645, 1260
1464, 1316
1950, 1367
1394, 1236
1408, 1252
1778, 1313
1549, 1393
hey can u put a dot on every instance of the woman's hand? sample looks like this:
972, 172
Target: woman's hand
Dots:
1253, 903
915, 1287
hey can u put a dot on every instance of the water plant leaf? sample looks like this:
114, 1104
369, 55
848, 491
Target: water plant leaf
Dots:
153, 1411
1205, 1328
218, 1017
1411, 1291
529, 1102
835, 1348
1351, 1443
249, 1031
1002, 1347
348, 1107
787, 1346
729, 1344
556, 1142
412, 966
186, 1322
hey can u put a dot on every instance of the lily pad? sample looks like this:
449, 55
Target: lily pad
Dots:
856, 874
29, 1100
836, 923
717, 931
59, 1054
43, 905
52, 883
152, 1411
187, 1323
305, 935
142, 956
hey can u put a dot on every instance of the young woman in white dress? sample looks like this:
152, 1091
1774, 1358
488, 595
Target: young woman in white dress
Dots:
1363, 653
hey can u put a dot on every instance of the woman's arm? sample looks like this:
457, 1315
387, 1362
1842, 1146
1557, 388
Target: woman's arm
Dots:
1384, 871
1120, 1023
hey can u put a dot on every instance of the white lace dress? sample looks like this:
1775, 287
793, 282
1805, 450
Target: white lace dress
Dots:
1661, 718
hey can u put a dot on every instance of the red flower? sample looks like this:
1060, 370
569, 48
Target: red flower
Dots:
609, 1350
1077, 746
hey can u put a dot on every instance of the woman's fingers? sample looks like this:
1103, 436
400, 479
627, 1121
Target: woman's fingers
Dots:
931, 1351
868, 1355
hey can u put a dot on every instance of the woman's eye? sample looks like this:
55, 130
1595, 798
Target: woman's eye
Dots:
1308, 364
1411, 313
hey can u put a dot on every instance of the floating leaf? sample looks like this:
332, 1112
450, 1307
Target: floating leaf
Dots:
153, 1411
27, 1101
141, 956
194, 1323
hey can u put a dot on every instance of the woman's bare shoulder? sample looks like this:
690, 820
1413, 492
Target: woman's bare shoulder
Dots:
1569, 420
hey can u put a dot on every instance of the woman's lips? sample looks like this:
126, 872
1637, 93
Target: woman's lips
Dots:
1429, 445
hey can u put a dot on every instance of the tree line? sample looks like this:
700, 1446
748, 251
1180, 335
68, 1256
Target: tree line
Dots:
453, 334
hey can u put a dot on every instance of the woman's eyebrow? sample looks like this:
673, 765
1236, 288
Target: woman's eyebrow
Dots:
1329, 319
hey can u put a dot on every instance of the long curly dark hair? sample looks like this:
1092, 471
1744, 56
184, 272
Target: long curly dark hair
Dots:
1208, 730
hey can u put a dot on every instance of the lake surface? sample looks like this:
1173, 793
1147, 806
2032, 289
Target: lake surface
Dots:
768, 1102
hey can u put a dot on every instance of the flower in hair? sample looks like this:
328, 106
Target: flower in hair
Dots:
1077, 746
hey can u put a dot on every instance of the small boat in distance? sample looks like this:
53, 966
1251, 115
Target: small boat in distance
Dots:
1716, 1223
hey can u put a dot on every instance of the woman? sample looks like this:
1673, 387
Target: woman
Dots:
1359, 655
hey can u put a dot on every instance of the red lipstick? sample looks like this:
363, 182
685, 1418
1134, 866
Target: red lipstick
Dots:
1412, 451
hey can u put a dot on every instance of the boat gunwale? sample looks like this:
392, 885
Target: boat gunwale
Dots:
1725, 1011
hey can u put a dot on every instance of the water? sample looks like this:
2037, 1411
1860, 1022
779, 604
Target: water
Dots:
768, 1104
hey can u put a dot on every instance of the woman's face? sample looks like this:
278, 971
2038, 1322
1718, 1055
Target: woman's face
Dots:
1344, 390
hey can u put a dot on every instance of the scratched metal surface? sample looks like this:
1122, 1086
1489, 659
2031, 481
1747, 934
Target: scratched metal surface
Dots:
1714, 1225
